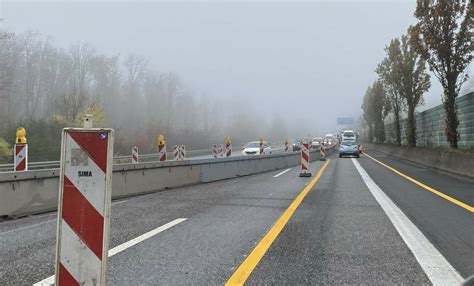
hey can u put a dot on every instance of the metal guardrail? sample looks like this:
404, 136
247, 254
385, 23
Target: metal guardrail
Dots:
117, 160
120, 159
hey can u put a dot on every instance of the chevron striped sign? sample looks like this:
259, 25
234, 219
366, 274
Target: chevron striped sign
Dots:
84, 207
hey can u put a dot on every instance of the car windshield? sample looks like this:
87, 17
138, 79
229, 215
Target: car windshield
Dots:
348, 134
253, 145
348, 143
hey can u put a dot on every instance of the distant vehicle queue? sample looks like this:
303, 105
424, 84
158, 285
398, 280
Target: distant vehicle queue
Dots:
348, 141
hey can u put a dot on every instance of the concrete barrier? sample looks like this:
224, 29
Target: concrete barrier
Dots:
37, 191
457, 162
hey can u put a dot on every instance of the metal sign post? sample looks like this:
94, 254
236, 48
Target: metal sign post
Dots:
84, 206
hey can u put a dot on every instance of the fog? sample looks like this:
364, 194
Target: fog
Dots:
304, 63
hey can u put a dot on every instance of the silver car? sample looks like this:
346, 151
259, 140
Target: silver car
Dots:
350, 148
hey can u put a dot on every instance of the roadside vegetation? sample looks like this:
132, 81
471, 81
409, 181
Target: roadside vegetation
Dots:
441, 42
44, 88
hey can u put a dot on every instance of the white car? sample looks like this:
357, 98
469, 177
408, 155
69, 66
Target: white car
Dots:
253, 148
316, 142
349, 135
329, 139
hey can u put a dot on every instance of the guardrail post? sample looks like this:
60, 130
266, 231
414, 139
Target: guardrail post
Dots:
84, 206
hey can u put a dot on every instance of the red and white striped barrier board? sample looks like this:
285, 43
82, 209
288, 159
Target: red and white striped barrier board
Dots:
134, 154
228, 149
221, 150
85, 190
261, 149
215, 151
305, 160
21, 157
322, 153
176, 152
287, 146
182, 152
162, 152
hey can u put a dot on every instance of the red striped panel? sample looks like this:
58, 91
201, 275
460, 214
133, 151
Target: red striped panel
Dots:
305, 156
18, 148
83, 218
21, 166
65, 278
93, 145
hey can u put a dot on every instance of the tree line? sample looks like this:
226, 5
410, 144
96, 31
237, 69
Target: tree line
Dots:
441, 41
45, 88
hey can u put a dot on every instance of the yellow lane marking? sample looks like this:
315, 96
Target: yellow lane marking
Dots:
444, 196
245, 269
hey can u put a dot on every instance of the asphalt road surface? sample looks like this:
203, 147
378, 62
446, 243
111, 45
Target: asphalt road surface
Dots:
358, 222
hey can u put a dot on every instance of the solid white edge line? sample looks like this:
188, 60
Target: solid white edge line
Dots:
436, 267
50, 280
279, 174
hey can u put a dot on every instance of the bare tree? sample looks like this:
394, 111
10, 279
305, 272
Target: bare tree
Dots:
135, 67
106, 84
77, 96
9, 57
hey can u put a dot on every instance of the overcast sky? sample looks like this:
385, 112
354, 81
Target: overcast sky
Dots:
309, 61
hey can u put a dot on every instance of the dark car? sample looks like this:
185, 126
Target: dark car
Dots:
296, 145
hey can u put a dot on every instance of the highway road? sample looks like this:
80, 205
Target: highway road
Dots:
372, 220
